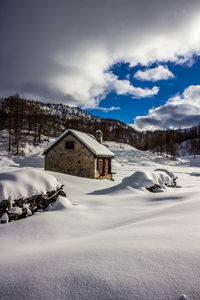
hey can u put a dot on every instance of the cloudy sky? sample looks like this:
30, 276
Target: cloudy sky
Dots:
137, 61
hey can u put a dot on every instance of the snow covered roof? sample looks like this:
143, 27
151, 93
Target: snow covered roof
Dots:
88, 140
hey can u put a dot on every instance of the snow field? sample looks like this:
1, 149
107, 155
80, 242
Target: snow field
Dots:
117, 241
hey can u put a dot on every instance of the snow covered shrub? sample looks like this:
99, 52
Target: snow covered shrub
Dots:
152, 181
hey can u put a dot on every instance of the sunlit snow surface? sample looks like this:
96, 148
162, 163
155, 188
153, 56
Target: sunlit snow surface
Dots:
112, 243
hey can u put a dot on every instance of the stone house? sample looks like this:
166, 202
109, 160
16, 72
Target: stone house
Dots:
80, 154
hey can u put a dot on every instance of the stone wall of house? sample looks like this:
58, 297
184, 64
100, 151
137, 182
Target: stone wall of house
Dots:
78, 161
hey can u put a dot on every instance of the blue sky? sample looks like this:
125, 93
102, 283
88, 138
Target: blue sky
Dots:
71, 52
185, 75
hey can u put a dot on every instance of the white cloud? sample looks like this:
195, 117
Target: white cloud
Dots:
107, 109
124, 87
181, 111
65, 55
94, 85
154, 74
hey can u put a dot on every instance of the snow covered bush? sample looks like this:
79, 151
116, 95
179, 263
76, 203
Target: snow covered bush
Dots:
152, 181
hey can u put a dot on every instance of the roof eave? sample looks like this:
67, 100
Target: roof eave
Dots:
105, 155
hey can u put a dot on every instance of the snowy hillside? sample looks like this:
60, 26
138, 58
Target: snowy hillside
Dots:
118, 240
189, 147
27, 120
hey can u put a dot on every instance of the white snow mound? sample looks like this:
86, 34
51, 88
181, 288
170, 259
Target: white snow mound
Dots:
62, 203
25, 183
144, 179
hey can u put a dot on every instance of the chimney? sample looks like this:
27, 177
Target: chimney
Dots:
99, 136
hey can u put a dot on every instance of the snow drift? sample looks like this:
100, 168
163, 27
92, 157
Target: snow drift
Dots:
159, 178
144, 179
153, 181
25, 183
131, 244
62, 203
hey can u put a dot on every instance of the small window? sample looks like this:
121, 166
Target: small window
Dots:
69, 145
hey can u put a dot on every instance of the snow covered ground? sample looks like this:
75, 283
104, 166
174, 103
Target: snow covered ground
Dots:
116, 241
